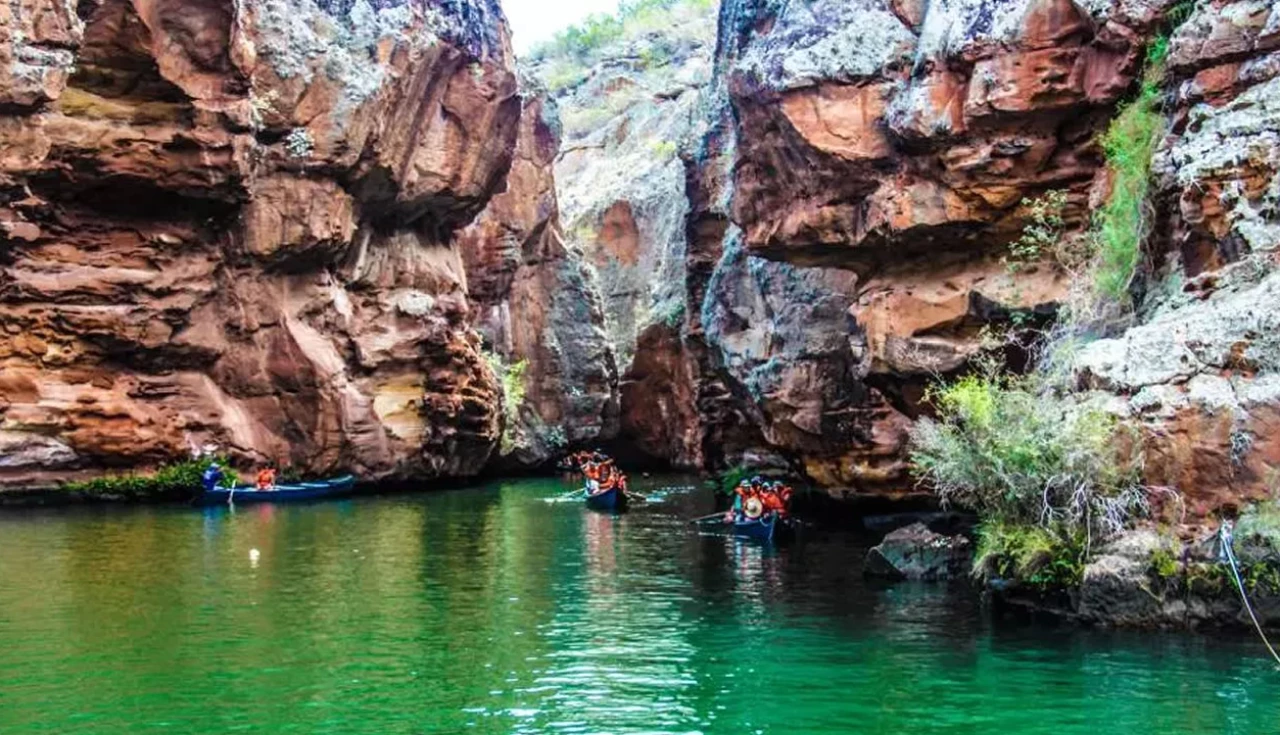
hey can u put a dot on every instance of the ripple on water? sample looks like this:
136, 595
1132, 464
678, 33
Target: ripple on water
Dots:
493, 611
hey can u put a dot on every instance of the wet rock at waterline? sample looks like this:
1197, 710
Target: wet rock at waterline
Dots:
915, 552
1143, 579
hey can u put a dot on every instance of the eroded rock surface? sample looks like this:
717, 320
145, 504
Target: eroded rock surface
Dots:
233, 223
920, 133
1199, 371
536, 304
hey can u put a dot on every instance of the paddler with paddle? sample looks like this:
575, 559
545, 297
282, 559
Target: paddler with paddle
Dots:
213, 476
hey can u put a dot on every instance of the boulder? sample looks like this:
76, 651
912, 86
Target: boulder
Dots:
915, 552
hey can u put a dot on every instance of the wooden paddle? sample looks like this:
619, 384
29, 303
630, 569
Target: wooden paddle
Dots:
706, 518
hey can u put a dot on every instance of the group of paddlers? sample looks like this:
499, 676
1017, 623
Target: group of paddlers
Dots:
601, 471
214, 475
757, 498
753, 499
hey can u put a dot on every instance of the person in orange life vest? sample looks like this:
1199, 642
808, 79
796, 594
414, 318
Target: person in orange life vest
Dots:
745, 490
784, 495
614, 477
772, 497
607, 465
266, 478
608, 478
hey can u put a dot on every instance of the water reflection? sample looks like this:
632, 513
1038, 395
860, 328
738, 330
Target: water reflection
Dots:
493, 611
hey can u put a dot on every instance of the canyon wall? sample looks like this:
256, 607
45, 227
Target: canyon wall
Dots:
852, 185
855, 178
343, 236
236, 224
1199, 369
536, 304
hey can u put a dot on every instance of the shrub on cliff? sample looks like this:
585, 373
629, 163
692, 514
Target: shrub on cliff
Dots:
1022, 456
1130, 143
179, 480
512, 379
1041, 557
647, 32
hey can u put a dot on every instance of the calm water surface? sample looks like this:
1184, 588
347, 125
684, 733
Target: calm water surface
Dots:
496, 611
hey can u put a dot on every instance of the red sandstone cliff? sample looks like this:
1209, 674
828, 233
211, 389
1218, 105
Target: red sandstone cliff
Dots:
233, 223
852, 194
295, 230
538, 308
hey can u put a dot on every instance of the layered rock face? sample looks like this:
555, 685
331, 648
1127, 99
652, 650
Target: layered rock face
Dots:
537, 307
631, 112
233, 223
866, 169
900, 143
855, 177
1199, 370
922, 126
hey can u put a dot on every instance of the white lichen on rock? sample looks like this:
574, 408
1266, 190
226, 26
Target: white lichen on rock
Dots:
827, 41
301, 39
1233, 328
1230, 143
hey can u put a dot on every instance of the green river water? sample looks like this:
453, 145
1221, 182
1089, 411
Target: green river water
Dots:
492, 610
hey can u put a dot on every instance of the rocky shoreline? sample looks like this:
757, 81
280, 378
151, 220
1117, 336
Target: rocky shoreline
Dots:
1141, 580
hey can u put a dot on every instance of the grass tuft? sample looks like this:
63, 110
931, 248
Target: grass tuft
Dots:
1046, 558
512, 378
1123, 222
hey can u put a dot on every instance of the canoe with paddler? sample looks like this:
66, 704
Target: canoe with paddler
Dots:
761, 510
605, 487
265, 489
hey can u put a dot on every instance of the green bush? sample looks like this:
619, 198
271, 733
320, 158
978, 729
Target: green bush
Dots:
1044, 557
1257, 533
1164, 564
732, 477
511, 377
1122, 223
671, 314
1042, 232
586, 42
1016, 453
563, 74
664, 149
170, 481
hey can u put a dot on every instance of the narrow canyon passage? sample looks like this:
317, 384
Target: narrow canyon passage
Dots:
965, 310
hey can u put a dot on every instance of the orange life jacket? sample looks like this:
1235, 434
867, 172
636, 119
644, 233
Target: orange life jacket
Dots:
773, 501
266, 478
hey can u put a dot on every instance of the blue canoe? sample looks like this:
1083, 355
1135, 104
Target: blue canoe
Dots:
330, 488
613, 499
768, 528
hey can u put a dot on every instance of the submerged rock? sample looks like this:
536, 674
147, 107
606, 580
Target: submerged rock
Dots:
915, 552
